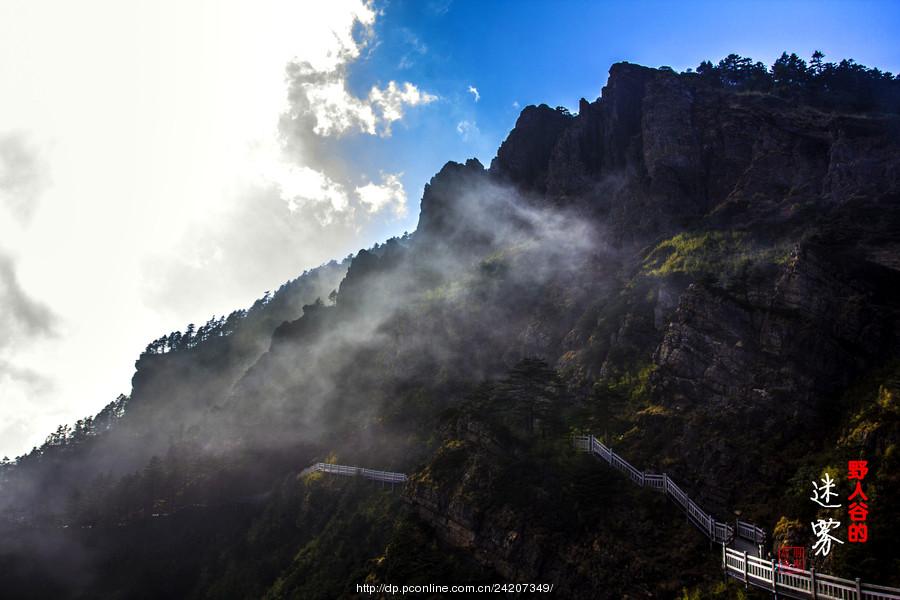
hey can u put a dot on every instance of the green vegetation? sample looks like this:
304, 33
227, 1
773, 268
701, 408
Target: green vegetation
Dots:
415, 557
846, 85
469, 377
525, 492
865, 425
354, 531
731, 590
692, 253
708, 252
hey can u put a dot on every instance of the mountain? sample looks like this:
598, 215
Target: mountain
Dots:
700, 268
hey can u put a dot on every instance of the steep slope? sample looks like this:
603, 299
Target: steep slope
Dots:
700, 274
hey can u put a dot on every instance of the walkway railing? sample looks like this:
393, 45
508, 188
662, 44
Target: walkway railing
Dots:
799, 583
752, 570
717, 531
385, 476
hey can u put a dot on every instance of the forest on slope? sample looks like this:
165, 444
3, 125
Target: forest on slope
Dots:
698, 267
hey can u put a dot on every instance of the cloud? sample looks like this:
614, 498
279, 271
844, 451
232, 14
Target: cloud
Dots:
22, 175
30, 378
22, 317
440, 7
515, 104
310, 191
286, 222
23, 391
325, 97
392, 99
474, 91
416, 47
389, 194
253, 246
320, 101
304, 202
237, 176
467, 130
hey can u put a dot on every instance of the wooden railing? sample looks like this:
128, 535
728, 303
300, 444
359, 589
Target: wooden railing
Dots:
799, 583
385, 476
717, 531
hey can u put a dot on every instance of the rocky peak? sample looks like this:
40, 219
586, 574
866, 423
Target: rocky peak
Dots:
660, 151
440, 211
524, 156
621, 104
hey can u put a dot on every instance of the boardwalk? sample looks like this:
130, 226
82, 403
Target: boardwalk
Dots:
347, 471
742, 535
742, 543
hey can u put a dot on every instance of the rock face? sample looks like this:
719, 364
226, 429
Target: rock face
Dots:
524, 157
741, 352
659, 151
710, 274
475, 498
787, 347
766, 367
443, 212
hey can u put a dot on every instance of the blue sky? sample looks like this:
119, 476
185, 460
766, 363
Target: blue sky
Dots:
557, 52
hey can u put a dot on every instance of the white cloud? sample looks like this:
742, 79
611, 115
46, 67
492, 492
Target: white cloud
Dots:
467, 130
391, 100
305, 189
416, 47
414, 42
515, 104
440, 7
390, 194
165, 167
323, 94
474, 91
336, 111
23, 176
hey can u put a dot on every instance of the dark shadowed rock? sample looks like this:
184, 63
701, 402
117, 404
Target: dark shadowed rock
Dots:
738, 328
442, 212
523, 158
660, 151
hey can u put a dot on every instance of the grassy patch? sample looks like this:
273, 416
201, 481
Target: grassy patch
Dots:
725, 253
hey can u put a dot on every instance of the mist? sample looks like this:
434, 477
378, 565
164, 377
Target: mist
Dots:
180, 176
314, 369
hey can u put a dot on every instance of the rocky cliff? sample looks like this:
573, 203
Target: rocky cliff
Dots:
756, 258
661, 151
702, 275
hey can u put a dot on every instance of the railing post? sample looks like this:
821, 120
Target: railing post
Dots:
858, 589
812, 576
724, 565
775, 578
746, 580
